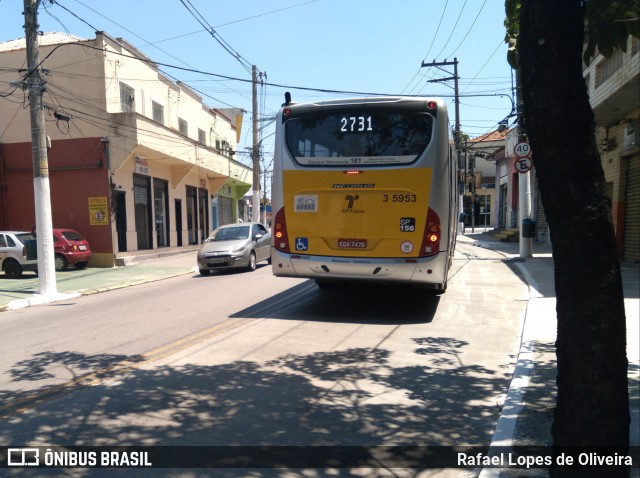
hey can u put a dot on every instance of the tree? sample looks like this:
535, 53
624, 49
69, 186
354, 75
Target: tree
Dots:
547, 38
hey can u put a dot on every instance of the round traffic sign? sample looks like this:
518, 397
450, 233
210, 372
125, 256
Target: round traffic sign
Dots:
523, 165
522, 149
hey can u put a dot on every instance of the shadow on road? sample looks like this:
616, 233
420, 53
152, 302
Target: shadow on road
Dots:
357, 396
358, 304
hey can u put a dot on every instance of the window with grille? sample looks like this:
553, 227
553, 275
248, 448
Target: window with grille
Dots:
158, 112
127, 98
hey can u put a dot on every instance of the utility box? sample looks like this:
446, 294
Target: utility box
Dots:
528, 228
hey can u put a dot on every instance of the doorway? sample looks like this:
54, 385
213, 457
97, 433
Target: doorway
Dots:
161, 211
178, 211
121, 219
192, 217
142, 210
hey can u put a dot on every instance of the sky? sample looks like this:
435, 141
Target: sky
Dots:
344, 47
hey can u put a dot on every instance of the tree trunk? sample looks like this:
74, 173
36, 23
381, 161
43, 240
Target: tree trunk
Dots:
592, 407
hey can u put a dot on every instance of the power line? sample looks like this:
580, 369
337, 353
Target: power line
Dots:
231, 22
216, 36
468, 31
452, 30
430, 46
135, 35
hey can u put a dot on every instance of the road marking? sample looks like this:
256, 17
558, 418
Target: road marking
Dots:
93, 378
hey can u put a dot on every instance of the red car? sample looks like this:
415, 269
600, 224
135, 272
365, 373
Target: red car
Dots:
70, 248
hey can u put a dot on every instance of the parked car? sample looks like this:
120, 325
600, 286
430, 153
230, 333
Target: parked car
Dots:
17, 253
235, 246
70, 248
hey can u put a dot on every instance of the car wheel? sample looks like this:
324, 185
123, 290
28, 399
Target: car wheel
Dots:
12, 270
252, 261
81, 265
204, 272
60, 262
269, 259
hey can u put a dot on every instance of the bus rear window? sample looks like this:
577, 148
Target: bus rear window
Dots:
364, 137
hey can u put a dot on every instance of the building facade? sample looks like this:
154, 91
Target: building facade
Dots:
614, 92
481, 200
137, 161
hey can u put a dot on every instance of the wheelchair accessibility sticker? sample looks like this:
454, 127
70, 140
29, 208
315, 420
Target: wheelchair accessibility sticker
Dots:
302, 243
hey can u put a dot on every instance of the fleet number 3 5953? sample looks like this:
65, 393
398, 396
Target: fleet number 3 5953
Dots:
399, 198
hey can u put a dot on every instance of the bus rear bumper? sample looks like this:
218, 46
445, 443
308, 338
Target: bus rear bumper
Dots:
429, 270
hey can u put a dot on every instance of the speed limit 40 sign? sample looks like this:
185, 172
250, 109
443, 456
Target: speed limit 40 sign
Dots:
522, 150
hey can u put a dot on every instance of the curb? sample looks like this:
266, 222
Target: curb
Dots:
50, 298
505, 432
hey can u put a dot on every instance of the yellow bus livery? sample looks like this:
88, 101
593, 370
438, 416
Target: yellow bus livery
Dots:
364, 189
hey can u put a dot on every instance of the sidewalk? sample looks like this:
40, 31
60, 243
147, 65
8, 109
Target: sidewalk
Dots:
24, 292
527, 413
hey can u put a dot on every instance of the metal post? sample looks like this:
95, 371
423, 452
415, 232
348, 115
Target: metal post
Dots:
486, 197
524, 180
41, 190
255, 151
526, 243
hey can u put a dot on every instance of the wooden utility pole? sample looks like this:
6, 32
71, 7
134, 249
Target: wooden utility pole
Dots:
255, 150
42, 195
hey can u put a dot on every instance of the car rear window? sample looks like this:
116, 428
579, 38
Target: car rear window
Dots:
72, 236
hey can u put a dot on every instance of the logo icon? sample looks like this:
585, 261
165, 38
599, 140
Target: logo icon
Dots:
23, 457
351, 198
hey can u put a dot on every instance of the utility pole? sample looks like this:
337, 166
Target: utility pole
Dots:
455, 79
457, 133
264, 195
524, 179
255, 150
42, 195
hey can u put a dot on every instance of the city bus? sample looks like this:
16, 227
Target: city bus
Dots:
364, 189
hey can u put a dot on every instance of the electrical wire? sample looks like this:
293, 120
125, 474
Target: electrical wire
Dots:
453, 29
430, 46
137, 36
468, 31
216, 36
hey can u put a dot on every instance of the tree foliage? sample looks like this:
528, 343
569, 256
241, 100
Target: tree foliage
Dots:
607, 24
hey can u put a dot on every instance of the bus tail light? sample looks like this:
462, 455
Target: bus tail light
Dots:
432, 233
280, 239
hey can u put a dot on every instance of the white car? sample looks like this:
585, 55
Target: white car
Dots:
17, 253
239, 245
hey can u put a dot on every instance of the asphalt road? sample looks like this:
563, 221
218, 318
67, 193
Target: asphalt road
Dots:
249, 359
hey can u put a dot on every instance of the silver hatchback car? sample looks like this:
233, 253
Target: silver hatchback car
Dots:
17, 253
240, 245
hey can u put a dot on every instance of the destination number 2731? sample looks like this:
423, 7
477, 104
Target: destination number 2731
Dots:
399, 198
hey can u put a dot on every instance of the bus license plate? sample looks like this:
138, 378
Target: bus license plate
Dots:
352, 243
